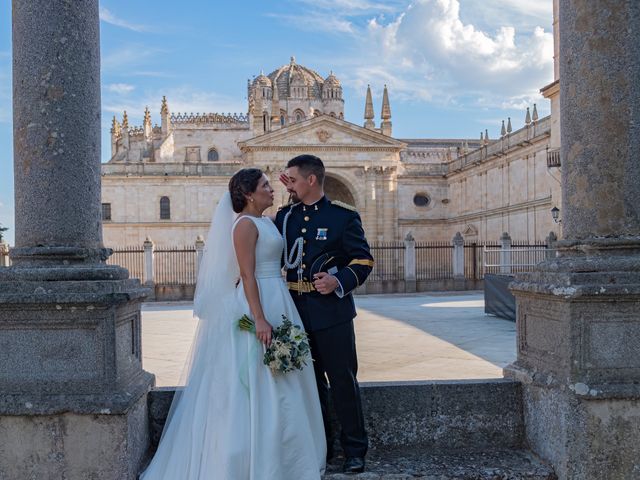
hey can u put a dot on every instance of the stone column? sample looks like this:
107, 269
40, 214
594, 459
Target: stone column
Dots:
578, 315
199, 253
71, 379
148, 261
505, 253
550, 242
458, 261
409, 264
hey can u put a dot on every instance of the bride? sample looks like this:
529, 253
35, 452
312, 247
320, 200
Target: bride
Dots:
235, 420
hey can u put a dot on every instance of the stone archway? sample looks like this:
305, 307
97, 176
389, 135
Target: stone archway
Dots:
337, 190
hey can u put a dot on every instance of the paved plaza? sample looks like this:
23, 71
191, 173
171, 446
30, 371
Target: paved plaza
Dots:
400, 338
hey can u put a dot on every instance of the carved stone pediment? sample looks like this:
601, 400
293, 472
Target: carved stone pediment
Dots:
322, 132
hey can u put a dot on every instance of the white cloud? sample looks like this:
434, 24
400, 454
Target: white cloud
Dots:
317, 22
351, 7
120, 88
428, 52
108, 17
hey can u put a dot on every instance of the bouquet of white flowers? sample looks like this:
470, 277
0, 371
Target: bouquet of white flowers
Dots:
289, 349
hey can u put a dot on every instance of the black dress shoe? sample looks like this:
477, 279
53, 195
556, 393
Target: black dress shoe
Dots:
330, 455
353, 465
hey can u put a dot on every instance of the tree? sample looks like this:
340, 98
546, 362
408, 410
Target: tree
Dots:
2, 230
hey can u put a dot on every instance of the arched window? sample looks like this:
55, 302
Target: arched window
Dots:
212, 156
282, 120
165, 208
333, 114
298, 115
265, 121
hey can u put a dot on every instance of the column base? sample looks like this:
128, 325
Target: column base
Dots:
578, 323
581, 437
75, 446
73, 394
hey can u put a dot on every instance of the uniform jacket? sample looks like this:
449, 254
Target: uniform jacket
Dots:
330, 230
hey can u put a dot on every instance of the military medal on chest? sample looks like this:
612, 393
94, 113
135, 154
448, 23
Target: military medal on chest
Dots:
322, 234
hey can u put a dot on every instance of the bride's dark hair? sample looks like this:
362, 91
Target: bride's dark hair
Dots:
243, 183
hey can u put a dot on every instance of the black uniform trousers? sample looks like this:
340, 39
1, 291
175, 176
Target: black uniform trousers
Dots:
334, 352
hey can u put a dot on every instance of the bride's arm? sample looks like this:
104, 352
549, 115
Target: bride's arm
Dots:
245, 237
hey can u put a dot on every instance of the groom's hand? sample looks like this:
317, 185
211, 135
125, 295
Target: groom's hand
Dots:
325, 283
284, 179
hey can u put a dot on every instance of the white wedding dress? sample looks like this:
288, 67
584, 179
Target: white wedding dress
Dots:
235, 419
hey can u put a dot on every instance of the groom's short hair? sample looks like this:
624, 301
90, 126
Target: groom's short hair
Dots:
308, 164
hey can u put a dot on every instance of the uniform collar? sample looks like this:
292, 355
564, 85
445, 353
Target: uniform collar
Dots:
324, 201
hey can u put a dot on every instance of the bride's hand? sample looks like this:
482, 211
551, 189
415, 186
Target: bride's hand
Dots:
263, 331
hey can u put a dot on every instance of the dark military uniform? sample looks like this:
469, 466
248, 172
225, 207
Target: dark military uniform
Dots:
334, 242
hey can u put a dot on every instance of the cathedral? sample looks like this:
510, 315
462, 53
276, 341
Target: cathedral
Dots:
163, 181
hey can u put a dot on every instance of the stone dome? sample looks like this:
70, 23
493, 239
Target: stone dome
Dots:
332, 81
291, 73
262, 81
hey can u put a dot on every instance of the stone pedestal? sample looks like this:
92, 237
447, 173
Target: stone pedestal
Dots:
410, 281
578, 315
579, 361
72, 389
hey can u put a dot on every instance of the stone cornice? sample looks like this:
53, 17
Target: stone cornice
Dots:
551, 90
546, 201
321, 148
526, 136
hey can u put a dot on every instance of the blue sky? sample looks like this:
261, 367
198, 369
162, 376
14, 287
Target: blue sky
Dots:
453, 67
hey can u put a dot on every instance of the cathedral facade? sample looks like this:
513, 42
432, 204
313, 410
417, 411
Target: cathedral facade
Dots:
163, 182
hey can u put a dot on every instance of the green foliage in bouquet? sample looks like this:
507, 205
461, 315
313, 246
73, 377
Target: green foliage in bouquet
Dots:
289, 349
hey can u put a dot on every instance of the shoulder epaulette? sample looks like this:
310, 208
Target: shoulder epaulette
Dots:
346, 206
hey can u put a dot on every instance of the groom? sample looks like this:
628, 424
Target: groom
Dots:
333, 260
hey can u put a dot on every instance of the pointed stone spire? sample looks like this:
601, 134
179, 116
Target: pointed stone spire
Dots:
368, 111
503, 130
527, 118
486, 136
115, 126
535, 113
125, 131
146, 124
481, 138
115, 135
275, 108
385, 114
386, 108
466, 146
509, 128
165, 117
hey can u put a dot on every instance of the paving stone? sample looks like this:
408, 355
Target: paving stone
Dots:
409, 464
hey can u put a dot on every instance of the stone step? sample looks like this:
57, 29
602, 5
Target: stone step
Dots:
409, 464
459, 415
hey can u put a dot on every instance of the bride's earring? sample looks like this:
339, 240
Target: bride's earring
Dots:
251, 199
